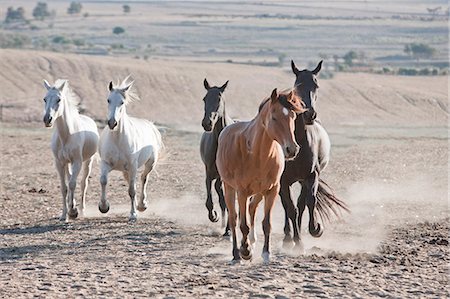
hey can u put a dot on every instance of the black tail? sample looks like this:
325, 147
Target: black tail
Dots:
327, 203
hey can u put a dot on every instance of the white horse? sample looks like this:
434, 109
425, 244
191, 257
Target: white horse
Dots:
74, 142
127, 144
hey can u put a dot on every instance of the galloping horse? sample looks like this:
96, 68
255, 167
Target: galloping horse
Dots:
214, 121
307, 166
127, 144
250, 161
74, 142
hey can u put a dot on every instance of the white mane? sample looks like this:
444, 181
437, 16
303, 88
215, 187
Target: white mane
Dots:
130, 95
67, 93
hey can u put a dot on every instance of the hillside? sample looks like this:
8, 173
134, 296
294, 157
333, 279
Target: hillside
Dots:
171, 91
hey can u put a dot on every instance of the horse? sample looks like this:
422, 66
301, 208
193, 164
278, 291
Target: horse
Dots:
214, 121
126, 145
307, 166
250, 161
74, 143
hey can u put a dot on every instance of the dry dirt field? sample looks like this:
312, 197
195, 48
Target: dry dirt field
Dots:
389, 163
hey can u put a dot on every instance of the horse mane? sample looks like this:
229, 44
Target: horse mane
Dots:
283, 101
130, 95
68, 94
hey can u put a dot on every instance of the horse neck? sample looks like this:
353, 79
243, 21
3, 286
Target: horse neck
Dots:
222, 122
123, 123
300, 129
67, 123
261, 143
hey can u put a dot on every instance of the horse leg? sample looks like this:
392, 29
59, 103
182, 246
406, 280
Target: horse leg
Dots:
76, 168
61, 168
290, 213
132, 192
245, 249
223, 206
87, 166
142, 205
311, 199
212, 215
103, 205
230, 200
269, 200
254, 202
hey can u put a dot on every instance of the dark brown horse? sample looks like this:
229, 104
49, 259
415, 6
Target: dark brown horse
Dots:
307, 166
250, 161
214, 121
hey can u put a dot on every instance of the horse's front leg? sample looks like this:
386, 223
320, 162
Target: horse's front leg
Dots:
62, 169
103, 205
142, 205
76, 168
269, 200
254, 202
311, 199
212, 215
132, 192
223, 206
87, 167
245, 250
230, 200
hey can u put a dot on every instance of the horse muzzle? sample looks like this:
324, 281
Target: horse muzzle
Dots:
48, 121
207, 125
112, 123
291, 151
309, 117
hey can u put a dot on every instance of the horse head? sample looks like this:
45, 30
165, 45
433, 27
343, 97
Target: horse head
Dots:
117, 99
53, 108
214, 105
306, 87
280, 120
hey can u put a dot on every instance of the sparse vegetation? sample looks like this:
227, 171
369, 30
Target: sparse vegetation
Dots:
419, 51
126, 8
15, 15
41, 12
74, 8
349, 57
14, 41
118, 30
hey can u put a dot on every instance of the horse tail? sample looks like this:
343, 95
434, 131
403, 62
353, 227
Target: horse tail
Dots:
328, 204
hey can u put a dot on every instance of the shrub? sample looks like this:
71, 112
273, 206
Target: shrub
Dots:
419, 51
74, 8
126, 8
15, 41
118, 30
15, 15
40, 12
59, 39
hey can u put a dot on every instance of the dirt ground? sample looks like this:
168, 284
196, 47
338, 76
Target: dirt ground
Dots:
393, 244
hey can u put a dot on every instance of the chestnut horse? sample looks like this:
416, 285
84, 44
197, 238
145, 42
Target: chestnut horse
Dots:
250, 161
307, 166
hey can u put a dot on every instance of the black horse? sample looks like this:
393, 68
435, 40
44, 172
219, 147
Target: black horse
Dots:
214, 120
307, 166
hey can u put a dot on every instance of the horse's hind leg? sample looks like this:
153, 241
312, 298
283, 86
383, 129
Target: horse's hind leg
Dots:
230, 200
62, 170
76, 168
223, 206
142, 205
269, 200
212, 215
132, 192
311, 199
87, 166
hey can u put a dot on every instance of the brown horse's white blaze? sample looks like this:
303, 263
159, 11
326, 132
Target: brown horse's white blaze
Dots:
250, 161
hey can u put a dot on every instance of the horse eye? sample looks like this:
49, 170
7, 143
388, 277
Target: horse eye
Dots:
45, 100
109, 101
274, 119
59, 100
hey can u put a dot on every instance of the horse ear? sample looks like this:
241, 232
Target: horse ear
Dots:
63, 84
274, 95
110, 86
222, 88
291, 94
47, 85
206, 84
126, 88
294, 68
318, 68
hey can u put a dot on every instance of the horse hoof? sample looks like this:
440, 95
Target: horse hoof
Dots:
213, 216
266, 257
287, 242
316, 232
132, 218
142, 208
73, 213
227, 233
235, 261
246, 254
63, 218
104, 208
298, 248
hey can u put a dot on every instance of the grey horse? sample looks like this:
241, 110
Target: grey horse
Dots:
214, 120
307, 166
